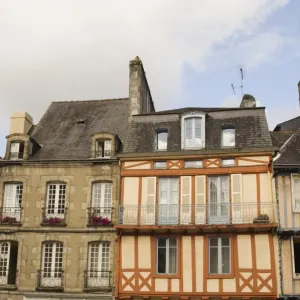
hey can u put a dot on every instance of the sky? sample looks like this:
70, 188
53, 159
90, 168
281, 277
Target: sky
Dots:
192, 51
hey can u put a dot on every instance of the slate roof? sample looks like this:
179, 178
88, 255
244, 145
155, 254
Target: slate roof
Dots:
280, 137
61, 138
290, 125
250, 123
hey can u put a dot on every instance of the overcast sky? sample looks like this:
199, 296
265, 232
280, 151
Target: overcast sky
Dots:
77, 50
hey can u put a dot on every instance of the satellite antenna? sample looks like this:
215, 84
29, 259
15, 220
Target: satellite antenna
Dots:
241, 87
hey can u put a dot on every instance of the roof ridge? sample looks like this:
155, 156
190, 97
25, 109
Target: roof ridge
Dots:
287, 121
76, 101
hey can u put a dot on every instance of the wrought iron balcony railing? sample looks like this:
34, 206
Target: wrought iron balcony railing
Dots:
10, 215
54, 216
50, 279
210, 214
100, 216
97, 279
16, 155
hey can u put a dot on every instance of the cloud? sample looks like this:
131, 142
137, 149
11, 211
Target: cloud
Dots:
72, 49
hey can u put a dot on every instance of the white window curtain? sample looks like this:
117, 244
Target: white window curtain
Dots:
98, 265
219, 255
51, 272
102, 199
168, 201
228, 137
56, 200
193, 132
166, 255
13, 201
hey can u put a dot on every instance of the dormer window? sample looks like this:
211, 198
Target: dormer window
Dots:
103, 148
228, 137
16, 150
193, 131
162, 140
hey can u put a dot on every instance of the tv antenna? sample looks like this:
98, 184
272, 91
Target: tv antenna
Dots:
241, 87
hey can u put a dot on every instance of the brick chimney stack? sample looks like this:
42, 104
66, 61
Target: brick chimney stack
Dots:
248, 101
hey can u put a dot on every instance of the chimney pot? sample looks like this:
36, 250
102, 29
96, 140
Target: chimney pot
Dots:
248, 101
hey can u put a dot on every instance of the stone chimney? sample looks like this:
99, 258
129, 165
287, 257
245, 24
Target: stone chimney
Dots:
139, 91
248, 101
299, 91
20, 122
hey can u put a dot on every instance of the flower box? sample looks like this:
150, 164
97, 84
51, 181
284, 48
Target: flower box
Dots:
103, 221
9, 220
53, 220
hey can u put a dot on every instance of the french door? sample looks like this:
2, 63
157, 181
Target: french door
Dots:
4, 262
12, 201
218, 200
52, 264
98, 265
102, 199
168, 201
56, 200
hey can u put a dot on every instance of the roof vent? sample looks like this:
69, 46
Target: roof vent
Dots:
248, 101
81, 122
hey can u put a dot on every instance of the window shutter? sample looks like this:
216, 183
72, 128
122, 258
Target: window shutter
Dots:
186, 199
200, 199
236, 198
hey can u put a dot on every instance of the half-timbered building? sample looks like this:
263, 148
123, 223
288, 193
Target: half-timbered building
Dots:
197, 215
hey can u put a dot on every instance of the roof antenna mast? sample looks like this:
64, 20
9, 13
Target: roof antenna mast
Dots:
241, 87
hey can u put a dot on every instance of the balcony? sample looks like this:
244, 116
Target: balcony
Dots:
10, 215
97, 280
198, 215
16, 155
100, 216
50, 280
54, 216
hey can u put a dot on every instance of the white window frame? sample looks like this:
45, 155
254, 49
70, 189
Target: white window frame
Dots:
57, 211
225, 162
107, 147
167, 256
14, 155
6, 257
193, 115
13, 193
295, 208
51, 276
220, 260
103, 197
157, 140
159, 162
222, 138
295, 275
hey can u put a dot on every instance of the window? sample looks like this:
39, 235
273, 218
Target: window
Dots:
228, 137
193, 164
162, 140
98, 264
296, 254
192, 128
296, 192
11, 210
8, 262
219, 255
160, 165
228, 162
103, 148
16, 150
101, 201
166, 256
56, 200
168, 201
51, 272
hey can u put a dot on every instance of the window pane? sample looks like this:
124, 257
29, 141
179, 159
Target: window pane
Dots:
225, 260
160, 165
188, 128
228, 162
161, 242
193, 164
228, 137
161, 260
225, 241
162, 140
213, 260
213, 242
107, 148
198, 128
172, 256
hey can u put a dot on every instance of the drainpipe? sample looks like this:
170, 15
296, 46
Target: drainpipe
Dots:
279, 239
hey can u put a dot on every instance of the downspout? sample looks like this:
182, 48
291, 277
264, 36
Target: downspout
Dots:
279, 239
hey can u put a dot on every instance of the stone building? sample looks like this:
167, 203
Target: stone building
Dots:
197, 213
59, 189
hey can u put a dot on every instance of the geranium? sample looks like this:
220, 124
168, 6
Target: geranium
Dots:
53, 220
9, 220
98, 220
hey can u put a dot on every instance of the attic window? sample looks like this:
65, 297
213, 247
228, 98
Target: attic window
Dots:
103, 148
16, 150
228, 137
162, 140
80, 122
